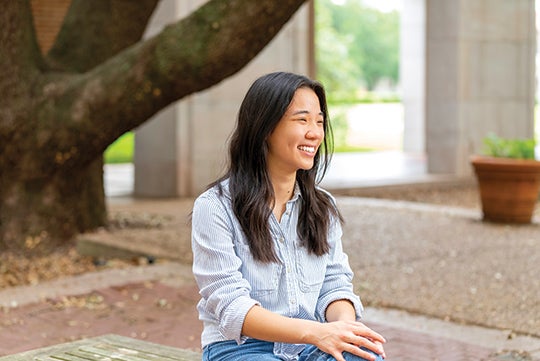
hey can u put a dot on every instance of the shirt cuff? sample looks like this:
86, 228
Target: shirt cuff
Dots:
326, 301
233, 318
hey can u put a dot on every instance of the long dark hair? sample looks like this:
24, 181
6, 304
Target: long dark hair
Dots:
263, 107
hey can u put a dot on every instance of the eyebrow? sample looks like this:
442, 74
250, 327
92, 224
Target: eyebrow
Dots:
304, 112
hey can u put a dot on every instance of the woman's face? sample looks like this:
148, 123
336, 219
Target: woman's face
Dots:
292, 145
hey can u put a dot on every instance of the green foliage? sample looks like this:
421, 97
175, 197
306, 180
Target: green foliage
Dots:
495, 146
121, 151
367, 98
340, 126
335, 68
345, 148
355, 45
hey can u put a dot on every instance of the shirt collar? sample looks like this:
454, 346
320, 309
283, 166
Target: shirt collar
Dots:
297, 194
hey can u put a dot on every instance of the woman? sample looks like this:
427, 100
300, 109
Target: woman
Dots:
267, 254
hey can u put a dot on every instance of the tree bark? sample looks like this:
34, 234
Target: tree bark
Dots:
93, 31
59, 113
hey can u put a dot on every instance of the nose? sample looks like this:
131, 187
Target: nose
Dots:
315, 131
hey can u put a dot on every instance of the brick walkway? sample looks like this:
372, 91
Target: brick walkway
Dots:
167, 315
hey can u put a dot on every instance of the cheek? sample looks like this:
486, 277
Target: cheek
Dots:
272, 143
282, 140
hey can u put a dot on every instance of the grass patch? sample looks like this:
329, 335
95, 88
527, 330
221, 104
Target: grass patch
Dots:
121, 151
345, 148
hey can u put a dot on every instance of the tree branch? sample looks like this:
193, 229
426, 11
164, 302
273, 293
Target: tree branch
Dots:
93, 31
20, 57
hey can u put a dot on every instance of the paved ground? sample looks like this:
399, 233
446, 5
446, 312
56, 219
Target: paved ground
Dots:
440, 284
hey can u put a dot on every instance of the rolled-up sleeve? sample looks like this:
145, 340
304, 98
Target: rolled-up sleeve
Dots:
338, 278
216, 267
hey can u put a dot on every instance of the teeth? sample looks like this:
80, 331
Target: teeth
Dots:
307, 149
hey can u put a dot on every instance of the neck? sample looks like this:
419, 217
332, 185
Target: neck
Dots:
283, 191
283, 185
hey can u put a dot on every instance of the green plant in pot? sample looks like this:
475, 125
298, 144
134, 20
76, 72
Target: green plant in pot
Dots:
508, 178
495, 146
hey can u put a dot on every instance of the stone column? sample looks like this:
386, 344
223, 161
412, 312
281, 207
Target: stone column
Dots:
156, 141
480, 77
413, 74
184, 148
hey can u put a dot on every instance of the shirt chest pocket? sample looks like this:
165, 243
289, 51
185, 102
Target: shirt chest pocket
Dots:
262, 277
311, 270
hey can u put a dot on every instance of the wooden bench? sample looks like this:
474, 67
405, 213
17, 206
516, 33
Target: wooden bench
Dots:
107, 347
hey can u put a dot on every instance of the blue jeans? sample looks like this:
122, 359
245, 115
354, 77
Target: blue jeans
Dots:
258, 350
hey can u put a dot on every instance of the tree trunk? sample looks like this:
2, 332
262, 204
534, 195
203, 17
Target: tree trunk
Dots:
41, 214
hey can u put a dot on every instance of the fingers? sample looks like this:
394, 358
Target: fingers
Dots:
364, 353
383, 354
357, 351
368, 339
338, 356
362, 344
351, 337
364, 331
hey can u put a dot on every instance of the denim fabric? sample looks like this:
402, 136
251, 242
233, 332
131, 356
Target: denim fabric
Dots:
250, 350
258, 350
312, 353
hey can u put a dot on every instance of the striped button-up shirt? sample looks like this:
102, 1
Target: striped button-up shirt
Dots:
231, 281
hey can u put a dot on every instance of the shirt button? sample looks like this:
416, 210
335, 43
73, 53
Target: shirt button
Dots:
293, 302
281, 239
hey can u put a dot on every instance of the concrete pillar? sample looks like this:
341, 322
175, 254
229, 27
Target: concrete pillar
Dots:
413, 74
184, 148
156, 142
480, 77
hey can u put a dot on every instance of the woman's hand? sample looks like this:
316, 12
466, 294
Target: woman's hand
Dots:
333, 337
337, 337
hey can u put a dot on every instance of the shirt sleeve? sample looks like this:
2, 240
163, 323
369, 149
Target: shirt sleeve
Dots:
216, 267
337, 283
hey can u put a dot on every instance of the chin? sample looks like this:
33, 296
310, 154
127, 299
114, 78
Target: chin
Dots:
306, 167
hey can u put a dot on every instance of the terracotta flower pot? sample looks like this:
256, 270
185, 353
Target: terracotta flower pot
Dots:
508, 188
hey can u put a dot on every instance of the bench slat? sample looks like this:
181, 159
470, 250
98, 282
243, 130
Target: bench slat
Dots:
64, 357
127, 354
106, 348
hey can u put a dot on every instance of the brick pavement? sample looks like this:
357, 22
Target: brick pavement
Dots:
147, 310
166, 314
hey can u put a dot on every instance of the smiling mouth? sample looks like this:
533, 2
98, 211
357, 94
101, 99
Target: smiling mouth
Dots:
306, 148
